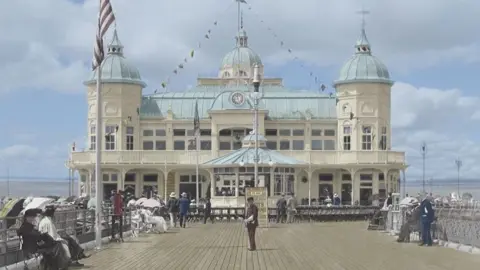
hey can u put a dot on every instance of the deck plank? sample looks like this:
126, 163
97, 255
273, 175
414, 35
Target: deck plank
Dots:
329, 246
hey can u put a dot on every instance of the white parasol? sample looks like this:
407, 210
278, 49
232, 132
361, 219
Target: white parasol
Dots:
150, 203
38, 202
140, 201
92, 203
409, 201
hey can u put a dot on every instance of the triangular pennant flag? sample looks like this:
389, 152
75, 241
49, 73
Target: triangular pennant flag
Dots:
180, 66
209, 31
164, 84
207, 37
289, 50
281, 43
185, 60
175, 71
215, 23
192, 53
199, 45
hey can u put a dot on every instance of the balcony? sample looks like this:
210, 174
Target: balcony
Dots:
189, 157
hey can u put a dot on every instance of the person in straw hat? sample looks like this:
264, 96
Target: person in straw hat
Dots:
172, 206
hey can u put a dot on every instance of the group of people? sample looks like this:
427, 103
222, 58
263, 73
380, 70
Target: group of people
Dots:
62, 251
420, 215
286, 208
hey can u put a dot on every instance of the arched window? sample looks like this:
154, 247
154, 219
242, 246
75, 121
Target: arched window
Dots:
242, 73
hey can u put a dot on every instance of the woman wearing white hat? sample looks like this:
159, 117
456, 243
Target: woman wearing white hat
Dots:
172, 206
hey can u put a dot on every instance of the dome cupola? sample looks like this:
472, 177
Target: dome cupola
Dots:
363, 66
115, 68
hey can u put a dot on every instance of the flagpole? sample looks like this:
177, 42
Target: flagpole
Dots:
197, 182
98, 158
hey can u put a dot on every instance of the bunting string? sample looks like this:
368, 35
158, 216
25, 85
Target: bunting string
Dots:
194, 51
318, 84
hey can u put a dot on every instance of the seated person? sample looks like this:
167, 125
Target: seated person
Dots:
33, 241
30, 236
72, 248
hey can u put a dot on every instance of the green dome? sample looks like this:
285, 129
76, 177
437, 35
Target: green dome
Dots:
115, 68
363, 66
241, 55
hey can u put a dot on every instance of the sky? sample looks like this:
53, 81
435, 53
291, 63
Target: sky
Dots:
431, 48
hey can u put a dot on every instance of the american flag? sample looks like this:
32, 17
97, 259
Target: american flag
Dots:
105, 19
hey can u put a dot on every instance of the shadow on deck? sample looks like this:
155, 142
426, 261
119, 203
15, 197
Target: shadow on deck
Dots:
329, 246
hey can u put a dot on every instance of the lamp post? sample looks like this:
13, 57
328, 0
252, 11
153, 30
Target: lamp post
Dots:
459, 164
256, 96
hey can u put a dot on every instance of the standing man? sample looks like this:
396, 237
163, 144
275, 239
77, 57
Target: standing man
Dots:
251, 222
208, 212
426, 215
281, 209
117, 213
291, 208
172, 206
184, 204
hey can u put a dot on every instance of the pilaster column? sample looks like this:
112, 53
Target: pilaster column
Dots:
309, 177
212, 183
388, 183
355, 186
214, 138
165, 179
237, 180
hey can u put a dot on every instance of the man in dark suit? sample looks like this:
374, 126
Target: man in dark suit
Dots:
251, 222
208, 212
281, 209
427, 215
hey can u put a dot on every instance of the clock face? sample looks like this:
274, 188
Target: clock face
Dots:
237, 98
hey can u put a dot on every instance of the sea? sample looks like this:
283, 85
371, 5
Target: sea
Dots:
44, 187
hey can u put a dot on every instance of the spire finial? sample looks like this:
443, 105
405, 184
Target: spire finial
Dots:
241, 19
364, 13
363, 46
115, 46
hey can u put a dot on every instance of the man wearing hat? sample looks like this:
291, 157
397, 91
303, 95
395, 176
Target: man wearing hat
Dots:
184, 205
427, 215
251, 222
172, 206
281, 209
117, 201
27, 231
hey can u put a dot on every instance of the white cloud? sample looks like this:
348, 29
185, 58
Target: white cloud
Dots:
51, 48
18, 151
441, 119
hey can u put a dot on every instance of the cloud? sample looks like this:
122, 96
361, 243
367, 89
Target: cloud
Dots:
18, 151
51, 48
441, 119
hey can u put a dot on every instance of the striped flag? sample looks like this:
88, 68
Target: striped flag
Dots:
105, 19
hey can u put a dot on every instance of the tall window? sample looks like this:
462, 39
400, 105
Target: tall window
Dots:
129, 138
347, 139
366, 138
110, 132
383, 139
93, 139
284, 181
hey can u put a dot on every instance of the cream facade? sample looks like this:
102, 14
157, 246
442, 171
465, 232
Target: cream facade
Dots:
318, 144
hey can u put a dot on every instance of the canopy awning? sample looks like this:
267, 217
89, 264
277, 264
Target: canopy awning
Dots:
246, 157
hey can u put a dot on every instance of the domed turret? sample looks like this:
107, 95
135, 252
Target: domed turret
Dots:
240, 61
115, 68
363, 66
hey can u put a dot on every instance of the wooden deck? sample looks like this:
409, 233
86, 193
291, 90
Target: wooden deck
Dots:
329, 246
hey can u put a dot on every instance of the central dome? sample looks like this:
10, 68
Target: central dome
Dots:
240, 61
241, 56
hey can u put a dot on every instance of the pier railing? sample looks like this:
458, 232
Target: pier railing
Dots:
79, 223
456, 226
304, 213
